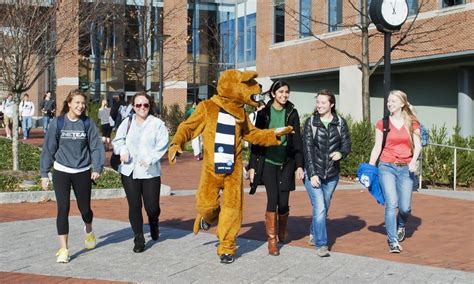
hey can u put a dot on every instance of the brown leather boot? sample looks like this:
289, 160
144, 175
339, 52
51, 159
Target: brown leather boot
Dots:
282, 227
270, 224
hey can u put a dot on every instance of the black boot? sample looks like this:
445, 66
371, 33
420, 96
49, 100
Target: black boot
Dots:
154, 231
227, 258
139, 243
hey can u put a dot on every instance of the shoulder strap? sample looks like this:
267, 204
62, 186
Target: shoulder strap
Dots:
87, 123
59, 126
386, 129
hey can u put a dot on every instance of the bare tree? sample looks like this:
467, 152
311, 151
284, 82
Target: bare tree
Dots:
407, 39
30, 40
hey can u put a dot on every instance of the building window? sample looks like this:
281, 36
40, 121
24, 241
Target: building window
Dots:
334, 15
279, 21
251, 35
412, 7
305, 18
449, 3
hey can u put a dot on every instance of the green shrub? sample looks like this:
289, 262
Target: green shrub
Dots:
363, 138
28, 155
9, 182
108, 179
438, 161
173, 115
93, 112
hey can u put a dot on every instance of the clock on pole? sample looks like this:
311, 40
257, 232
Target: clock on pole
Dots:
388, 16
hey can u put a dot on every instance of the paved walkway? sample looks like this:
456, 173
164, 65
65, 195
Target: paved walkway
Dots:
439, 245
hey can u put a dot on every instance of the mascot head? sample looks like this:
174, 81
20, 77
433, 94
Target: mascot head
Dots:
237, 87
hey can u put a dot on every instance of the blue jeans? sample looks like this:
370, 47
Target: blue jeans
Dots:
46, 120
320, 198
397, 185
26, 126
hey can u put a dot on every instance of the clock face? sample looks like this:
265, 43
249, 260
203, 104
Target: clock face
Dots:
394, 12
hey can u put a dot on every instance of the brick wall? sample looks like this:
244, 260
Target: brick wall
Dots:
451, 31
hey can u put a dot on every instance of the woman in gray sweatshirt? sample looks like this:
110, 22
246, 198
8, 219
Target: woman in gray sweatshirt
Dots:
73, 148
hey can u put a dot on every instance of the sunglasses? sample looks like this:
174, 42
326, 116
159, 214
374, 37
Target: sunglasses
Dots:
142, 105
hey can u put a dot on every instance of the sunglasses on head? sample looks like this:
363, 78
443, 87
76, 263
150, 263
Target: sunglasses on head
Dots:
145, 105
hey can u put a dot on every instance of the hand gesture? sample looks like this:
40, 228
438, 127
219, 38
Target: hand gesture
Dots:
315, 182
335, 156
44, 183
173, 152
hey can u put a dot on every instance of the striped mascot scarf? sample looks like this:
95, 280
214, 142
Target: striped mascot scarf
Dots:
224, 145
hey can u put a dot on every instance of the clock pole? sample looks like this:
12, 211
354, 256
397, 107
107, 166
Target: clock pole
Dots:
387, 75
388, 16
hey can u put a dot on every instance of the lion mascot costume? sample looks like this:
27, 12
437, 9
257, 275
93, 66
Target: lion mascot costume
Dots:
223, 123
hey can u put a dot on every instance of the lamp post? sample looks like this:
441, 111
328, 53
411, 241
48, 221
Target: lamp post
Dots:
161, 39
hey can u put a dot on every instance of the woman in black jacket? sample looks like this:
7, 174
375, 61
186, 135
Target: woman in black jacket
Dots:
276, 166
326, 141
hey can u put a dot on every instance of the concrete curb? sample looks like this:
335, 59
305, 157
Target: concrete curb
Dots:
38, 196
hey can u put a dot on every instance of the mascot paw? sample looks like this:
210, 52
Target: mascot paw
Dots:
173, 152
283, 130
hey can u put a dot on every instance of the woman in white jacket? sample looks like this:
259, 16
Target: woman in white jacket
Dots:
141, 141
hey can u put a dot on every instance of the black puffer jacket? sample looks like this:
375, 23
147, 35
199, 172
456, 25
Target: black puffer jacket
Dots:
294, 148
317, 147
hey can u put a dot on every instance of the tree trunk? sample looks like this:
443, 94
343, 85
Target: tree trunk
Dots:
15, 145
365, 62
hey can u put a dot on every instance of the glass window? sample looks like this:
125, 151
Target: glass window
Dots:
240, 39
449, 3
227, 34
412, 7
305, 18
334, 14
251, 36
279, 21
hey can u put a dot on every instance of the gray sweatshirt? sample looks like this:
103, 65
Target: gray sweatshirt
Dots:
76, 149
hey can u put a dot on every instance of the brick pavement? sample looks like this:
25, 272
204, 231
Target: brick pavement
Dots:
439, 234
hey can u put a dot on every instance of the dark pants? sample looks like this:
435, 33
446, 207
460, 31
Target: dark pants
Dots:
81, 184
277, 197
149, 190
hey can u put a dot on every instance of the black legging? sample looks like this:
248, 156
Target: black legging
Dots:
275, 196
135, 189
81, 184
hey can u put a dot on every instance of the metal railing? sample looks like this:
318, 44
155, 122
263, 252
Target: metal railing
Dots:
455, 149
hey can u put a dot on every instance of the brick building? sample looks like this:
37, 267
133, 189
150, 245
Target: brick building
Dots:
280, 39
436, 70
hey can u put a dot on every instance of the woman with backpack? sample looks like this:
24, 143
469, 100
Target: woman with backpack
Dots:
141, 141
397, 157
326, 141
277, 166
74, 149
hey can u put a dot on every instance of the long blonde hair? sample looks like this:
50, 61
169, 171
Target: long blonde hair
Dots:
408, 112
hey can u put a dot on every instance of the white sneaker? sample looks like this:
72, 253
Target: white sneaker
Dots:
90, 240
62, 255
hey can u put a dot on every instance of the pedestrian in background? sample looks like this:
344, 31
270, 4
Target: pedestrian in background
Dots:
277, 166
48, 110
326, 141
74, 149
397, 164
196, 143
27, 110
7, 108
106, 129
141, 141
